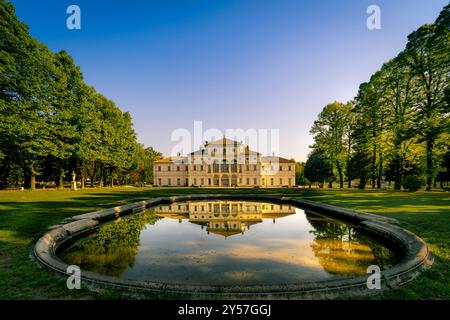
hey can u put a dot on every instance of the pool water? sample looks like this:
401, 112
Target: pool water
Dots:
228, 243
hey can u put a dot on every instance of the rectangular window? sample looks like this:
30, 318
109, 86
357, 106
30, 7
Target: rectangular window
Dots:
202, 181
289, 168
178, 181
248, 181
168, 168
271, 181
195, 181
255, 167
159, 181
178, 168
169, 182
255, 181
281, 180
159, 168
195, 167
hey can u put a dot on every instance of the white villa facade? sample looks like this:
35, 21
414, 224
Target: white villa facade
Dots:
225, 163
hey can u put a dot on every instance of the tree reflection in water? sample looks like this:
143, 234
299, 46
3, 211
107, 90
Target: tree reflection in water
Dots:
343, 250
113, 248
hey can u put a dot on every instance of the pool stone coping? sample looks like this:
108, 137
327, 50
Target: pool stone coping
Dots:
416, 254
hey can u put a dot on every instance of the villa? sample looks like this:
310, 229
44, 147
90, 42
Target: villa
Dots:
225, 163
225, 218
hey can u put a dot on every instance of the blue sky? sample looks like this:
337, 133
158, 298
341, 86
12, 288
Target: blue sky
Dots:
263, 64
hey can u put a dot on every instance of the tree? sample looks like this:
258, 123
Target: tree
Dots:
143, 169
317, 167
51, 122
330, 134
300, 178
371, 116
398, 90
427, 54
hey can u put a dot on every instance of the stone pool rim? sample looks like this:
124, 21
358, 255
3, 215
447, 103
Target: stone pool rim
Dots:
416, 254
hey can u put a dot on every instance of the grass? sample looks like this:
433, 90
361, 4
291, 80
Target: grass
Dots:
26, 215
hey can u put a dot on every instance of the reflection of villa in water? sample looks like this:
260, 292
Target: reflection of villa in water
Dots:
225, 218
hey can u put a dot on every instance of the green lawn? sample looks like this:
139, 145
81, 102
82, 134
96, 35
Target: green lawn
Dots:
26, 215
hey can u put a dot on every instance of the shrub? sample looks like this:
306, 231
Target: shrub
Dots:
413, 183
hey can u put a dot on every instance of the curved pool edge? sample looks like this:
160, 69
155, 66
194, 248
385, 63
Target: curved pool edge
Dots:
417, 255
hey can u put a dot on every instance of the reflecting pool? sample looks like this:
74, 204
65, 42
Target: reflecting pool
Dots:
228, 243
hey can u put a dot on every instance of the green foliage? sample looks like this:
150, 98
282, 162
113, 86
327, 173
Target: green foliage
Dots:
51, 122
331, 135
143, 164
399, 124
317, 167
413, 183
113, 248
300, 178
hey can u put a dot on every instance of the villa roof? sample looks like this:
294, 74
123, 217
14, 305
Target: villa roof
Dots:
276, 159
227, 142
276, 215
164, 160
225, 233
224, 141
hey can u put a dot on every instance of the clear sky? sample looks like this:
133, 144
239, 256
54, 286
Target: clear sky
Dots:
263, 64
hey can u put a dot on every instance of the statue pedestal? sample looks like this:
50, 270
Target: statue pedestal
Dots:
73, 185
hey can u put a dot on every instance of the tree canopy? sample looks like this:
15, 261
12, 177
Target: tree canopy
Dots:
53, 123
398, 124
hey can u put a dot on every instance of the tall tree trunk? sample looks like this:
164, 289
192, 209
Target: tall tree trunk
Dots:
30, 176
102, 175
374, 166
380, 170
5, 170
341, 178
61, 177
430, 145
349, 150
398, 169
32, 180
83, 173
92, 181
